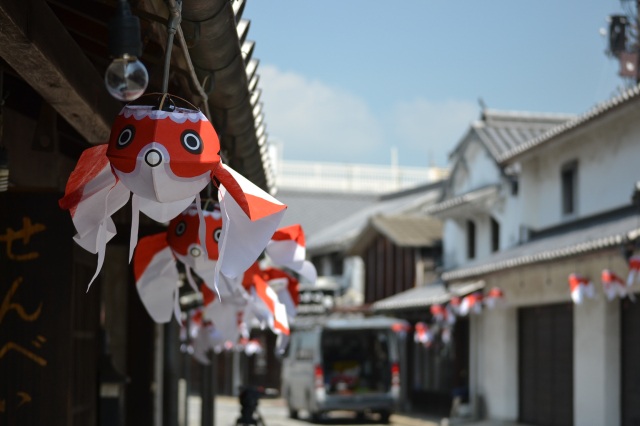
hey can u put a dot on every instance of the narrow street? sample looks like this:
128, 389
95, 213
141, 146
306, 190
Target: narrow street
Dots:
274, 413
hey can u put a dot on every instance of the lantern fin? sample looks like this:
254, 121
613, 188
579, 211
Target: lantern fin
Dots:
92, 195
253, 201
250, 216
156, 275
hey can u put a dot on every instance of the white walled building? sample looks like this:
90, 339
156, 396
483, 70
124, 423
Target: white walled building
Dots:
481, 206
540, 359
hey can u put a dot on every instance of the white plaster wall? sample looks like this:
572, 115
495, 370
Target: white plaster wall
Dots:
483, 236
494, 339
481, 169
596, 347
497, 366
509, 215
453, 243
607, 171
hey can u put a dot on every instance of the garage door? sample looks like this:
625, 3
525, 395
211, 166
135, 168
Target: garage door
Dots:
546, 365
630, 365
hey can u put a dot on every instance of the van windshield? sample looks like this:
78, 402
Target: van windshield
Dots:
356, 361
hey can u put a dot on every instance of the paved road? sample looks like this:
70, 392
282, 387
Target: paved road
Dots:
275, 413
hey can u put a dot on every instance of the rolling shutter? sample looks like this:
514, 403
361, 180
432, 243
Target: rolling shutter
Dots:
546, 365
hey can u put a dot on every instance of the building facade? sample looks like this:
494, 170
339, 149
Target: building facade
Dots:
541, 358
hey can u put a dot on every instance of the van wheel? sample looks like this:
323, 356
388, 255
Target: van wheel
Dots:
293, 413
384, 417
316, 416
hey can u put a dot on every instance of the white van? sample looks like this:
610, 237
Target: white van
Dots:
343, 364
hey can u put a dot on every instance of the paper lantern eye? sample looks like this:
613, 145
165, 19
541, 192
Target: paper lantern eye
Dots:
180, 228
216, 234
126, 136
191, 141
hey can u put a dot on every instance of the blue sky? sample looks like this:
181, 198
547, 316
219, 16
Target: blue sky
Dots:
345, 81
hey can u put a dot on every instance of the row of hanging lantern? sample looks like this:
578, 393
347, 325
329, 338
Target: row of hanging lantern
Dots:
443, 316
263, 294
613, 285
161, 154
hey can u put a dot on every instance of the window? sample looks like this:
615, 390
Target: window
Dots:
495, 235
471, 240
569, 178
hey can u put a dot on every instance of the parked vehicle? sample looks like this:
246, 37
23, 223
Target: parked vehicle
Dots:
343, 364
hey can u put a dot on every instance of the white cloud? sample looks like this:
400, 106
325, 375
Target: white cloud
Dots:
316, 121
431, 129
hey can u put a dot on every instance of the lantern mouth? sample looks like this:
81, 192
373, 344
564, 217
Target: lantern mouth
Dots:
153, 158
202, 265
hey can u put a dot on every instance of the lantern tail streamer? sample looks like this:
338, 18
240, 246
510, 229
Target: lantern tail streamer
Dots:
282, 341
190, 279
202, 344
156, 274
135, 224
224, 316
267, 307
281, 286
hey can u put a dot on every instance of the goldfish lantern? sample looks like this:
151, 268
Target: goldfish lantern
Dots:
423, 334
183, 237
164, 155
614, 286
155, 261
264, 303
287, 248
581, 288
437, 312
471, 303
494, 297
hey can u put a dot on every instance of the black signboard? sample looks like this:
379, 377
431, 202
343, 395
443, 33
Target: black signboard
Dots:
36, 374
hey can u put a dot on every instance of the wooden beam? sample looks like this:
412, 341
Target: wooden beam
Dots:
39, 48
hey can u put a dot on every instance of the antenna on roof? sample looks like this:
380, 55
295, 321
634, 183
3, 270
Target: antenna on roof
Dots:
624, 40
483, 108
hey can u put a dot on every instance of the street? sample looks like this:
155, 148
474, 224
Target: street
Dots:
274, 413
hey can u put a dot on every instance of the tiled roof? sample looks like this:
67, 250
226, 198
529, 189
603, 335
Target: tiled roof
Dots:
469, 197
424, 296
340, 235
599, 110
403, 230
409, 230
596, 237
503, 131
316, 211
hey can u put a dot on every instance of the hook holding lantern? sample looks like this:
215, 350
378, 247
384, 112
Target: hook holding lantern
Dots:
175, 16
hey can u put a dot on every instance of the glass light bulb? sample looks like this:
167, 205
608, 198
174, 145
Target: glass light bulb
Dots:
126, 78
